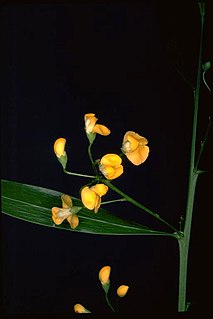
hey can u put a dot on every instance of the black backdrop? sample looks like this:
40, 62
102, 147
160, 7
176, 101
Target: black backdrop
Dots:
121, 62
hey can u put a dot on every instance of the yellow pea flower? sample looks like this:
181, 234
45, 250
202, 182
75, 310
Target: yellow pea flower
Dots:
110, 166
104, 274
135, 147
122, 291
92, 127
91, 196
68, 212
78, 308
59, 149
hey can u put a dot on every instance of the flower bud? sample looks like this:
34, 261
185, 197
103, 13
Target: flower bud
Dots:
59, 149
122, 291
104, 274
78, 308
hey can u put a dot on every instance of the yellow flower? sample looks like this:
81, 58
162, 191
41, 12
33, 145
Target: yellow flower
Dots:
104, 274
135, 147
122, 291
110, 166
59, 147
91, 197
78, 308
68, 212
92, 127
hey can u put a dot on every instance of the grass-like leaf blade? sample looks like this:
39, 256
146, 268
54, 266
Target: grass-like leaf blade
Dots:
33, 204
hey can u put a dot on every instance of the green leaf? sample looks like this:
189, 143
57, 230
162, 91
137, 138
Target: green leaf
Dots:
33, 204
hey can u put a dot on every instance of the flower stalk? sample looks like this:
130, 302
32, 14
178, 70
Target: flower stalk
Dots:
136, 203
184, 241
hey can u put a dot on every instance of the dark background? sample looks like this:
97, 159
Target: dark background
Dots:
121, 61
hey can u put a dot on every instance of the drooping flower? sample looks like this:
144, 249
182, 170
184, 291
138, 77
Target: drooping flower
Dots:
122, 291
59, 149
91, 196
135, 147
104, 275
78, 308
91, 127
110, 166
68, 212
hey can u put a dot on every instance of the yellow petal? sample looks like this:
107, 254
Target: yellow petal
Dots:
90, 121
130, 144
111, 172
139, 155
66, 201
60, 214
73, 221
122, 290
101, 129
111, 160
136, 136
97, 203
59, 147
100, 189
88, 198
104, 274
78, 308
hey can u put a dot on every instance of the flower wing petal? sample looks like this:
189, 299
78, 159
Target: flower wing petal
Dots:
139, 155
101, 129
66, 201
88, 198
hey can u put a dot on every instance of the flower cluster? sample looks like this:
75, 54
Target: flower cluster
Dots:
109, 167
104, 278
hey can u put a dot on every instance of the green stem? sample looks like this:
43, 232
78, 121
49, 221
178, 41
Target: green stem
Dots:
77, 174
203, 142
193, 175
114, 201
134, 202
91, 159
184, 247
109, 303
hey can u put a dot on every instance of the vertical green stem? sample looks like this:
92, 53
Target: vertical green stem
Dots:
193, 175
184, 249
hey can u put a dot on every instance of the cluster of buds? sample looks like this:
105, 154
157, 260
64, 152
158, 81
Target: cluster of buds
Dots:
134, 147
104, 277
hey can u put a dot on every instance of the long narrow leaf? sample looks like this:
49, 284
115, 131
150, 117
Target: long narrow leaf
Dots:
33, 204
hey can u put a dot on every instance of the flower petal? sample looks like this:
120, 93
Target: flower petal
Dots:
60, 214
100, 189
66, 201
122, 291
78, 308
111, 159
88, 198
101, 129
90, 121
59, 147
104, 274
73, 220
139, 155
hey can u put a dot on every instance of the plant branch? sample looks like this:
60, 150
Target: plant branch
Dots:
77, 174
134, 202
